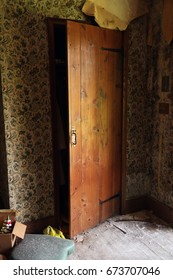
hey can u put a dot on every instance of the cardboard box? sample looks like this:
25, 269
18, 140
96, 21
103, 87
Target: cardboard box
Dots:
2, 257
7, 240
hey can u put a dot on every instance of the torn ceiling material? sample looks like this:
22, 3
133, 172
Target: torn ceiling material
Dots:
115, 14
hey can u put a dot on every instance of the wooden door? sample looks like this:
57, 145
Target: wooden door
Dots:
94, 84
110, 119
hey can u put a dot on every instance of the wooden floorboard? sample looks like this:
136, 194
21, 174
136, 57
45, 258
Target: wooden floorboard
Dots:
136, 236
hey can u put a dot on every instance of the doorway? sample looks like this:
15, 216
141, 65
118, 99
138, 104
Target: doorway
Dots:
86, 93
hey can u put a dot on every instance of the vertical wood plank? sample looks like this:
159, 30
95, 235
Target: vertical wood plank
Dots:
110, 94
89, 111
73, 49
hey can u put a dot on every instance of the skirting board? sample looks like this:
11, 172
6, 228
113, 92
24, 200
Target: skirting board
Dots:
39, 225
136, 204
160, 210
132, 205
147, 203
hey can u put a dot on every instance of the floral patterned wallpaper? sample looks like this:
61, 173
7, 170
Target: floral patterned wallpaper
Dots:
4, 194
160, 58
27, 113
26, 101
150, 129
138, 112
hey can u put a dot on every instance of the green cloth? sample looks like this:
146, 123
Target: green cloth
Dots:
42, 247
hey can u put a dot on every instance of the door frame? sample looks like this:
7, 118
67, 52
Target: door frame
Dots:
50, 23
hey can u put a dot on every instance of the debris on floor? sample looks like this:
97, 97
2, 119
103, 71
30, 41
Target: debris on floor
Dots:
139, 235
79, 238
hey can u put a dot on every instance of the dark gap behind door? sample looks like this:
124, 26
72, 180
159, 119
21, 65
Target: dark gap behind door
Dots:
62, 124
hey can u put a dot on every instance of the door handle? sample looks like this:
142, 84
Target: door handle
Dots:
73, 137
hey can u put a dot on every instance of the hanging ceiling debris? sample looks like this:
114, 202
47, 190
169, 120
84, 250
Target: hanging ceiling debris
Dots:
115, 14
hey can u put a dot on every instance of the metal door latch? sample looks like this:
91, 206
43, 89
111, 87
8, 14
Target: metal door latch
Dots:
73, 137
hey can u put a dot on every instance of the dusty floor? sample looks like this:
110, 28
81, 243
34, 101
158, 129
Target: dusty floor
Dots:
137, 236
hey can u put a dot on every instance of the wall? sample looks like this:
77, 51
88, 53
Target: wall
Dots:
26, 101
149, 127
4, 192
27, 114
139, 129
160, 58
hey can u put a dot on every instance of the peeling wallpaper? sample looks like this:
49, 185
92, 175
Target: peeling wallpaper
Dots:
27, 113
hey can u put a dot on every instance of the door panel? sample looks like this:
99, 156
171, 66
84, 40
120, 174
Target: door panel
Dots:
84, 156
89, 126
75, 181
110, 94
95, 94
